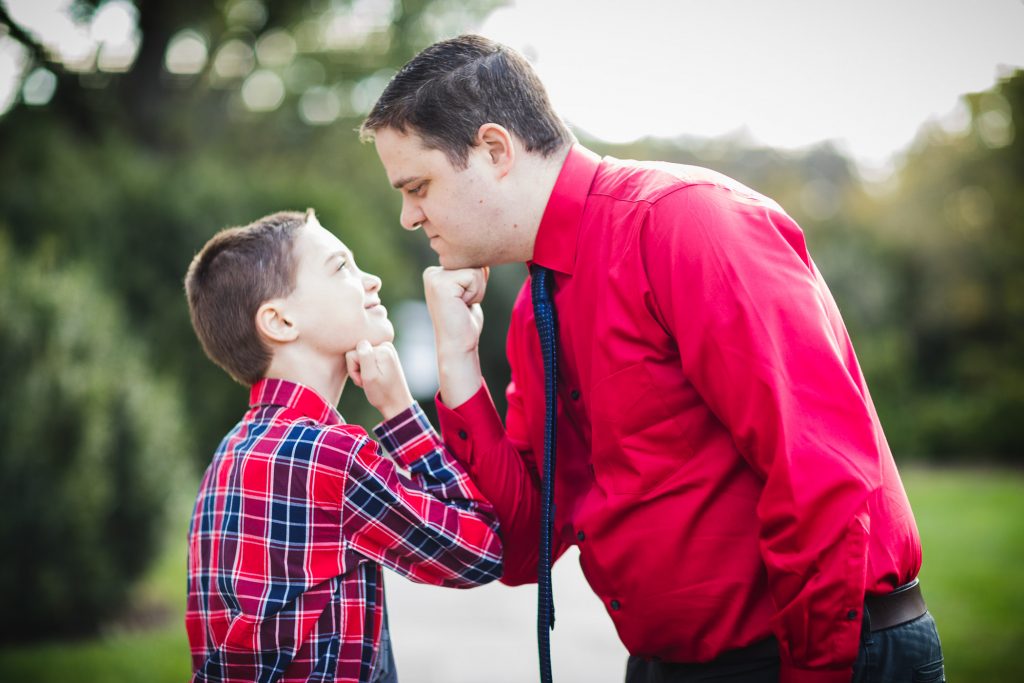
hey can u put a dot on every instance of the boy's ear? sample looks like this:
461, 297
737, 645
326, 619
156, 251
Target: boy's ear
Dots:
274, 323
497, 142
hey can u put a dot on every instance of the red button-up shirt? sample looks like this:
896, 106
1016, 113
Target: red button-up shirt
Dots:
720, 464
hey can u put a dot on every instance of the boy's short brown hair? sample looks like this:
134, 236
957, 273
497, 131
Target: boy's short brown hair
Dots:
230, 278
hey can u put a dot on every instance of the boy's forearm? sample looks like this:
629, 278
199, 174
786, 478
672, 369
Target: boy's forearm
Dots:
457, 546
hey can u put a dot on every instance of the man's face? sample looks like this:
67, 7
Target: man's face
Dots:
334, 304
460, 210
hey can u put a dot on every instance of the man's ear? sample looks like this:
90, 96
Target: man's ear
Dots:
273, 322
497, 142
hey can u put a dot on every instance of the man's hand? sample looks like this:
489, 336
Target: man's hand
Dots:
378, 371
453, 299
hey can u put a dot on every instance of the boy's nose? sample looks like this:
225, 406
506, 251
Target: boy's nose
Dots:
372, 282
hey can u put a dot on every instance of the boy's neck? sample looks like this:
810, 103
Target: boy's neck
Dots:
326, 377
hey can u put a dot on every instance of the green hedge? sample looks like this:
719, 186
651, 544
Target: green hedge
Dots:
91, 445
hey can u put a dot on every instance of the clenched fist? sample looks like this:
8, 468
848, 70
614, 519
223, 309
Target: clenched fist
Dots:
379, 372
453, 299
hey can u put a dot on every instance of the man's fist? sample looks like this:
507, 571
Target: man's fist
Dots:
453, 299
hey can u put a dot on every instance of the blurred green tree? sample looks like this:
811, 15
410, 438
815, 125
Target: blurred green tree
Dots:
133, 170
953, 236
91, 442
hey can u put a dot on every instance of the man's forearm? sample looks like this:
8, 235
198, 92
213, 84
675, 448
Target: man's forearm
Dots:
459, 376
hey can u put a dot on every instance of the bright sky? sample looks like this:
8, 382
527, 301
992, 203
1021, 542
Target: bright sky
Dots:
784, 73
788, 73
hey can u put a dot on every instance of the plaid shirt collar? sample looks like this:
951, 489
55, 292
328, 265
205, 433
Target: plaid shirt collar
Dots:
302, 399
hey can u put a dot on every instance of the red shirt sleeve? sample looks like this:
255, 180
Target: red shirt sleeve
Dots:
500, 461
761, 340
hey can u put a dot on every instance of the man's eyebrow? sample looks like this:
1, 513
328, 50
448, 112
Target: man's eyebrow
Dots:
402, 182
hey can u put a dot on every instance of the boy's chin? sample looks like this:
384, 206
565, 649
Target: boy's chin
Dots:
387, 332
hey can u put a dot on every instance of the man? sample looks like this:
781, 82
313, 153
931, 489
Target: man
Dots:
719, 461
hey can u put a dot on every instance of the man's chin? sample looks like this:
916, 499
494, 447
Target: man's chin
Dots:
450, 262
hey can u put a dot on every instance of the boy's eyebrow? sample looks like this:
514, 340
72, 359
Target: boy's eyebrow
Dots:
335, 254
401, 182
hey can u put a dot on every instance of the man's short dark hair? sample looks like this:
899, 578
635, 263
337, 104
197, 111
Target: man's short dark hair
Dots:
230, 278
450, 89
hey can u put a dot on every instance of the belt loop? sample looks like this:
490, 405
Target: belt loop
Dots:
865, 624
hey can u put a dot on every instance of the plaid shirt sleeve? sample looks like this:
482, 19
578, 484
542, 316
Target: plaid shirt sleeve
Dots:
433, 526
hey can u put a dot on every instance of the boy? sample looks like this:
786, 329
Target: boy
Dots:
298, 511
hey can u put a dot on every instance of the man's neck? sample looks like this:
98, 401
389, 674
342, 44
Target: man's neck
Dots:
539, 175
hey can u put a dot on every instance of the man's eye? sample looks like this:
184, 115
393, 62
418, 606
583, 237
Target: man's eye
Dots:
418, 189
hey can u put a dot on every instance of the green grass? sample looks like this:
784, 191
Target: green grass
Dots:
972, 523
123, 654
972, 527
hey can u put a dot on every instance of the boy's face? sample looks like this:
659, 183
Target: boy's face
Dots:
459, 209
334, 304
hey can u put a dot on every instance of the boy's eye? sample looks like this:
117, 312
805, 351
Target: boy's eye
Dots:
418, 189
342, 263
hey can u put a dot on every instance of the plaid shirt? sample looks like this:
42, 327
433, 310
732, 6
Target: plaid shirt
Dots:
295, 517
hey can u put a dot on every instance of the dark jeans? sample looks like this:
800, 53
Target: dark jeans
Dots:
908, 653
385, 671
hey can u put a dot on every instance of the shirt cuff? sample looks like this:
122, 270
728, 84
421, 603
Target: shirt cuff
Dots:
474, 425
791, 674
408, 436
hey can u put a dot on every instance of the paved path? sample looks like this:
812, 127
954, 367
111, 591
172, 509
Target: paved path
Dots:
488, 634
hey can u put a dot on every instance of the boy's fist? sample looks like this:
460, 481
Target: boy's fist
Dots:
378, 371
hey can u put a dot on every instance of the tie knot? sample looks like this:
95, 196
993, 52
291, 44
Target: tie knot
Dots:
541, 282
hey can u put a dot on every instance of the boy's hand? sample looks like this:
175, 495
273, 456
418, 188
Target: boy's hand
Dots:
453, 299
379, 372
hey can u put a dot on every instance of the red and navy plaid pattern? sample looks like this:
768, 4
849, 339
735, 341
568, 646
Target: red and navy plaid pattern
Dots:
295, 517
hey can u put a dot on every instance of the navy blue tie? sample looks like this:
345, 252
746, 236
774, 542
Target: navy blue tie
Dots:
544, 313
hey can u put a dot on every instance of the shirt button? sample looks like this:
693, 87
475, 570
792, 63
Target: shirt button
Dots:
580, 535
575, 394
615, 605
851, 615
463, 435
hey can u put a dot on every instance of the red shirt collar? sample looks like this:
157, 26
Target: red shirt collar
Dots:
555, 247
302, 399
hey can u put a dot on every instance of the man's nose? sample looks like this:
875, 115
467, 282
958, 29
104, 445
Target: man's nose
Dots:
412, 217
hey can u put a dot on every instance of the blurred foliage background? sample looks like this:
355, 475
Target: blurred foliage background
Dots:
120, 157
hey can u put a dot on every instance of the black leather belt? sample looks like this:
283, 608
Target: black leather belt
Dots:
892, 609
